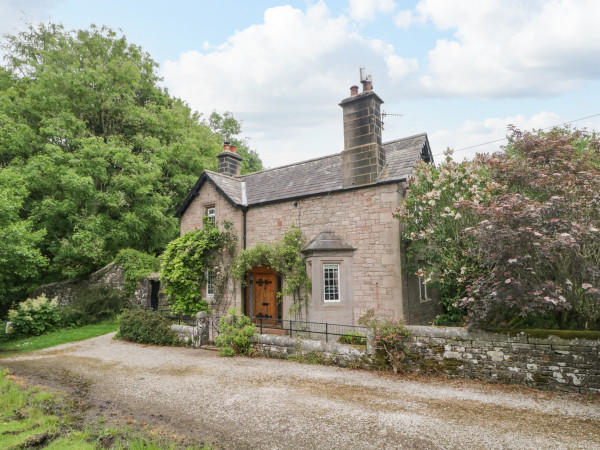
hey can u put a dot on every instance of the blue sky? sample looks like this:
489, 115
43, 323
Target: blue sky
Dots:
459, 70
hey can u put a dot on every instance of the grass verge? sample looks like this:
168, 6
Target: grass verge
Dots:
35, 418
29, 344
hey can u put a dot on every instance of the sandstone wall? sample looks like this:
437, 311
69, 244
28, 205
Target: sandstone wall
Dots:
364, 218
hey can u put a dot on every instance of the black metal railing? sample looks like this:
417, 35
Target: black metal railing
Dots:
349, 334
312, 330
181, 319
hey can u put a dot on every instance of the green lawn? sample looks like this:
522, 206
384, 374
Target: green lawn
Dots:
54, 338
34, 418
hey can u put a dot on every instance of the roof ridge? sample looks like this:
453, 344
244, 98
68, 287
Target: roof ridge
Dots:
293, 164
404, 138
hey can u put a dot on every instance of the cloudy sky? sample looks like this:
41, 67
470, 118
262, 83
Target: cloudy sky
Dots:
460, 70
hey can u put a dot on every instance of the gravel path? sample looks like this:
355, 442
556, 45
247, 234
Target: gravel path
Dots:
272, 404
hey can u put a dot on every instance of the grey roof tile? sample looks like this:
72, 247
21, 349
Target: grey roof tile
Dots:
316, 176
327, 240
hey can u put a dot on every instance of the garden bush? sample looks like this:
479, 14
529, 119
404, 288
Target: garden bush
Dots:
35, 316
236, 332
353, 338
146, 327
390, 336
92, 305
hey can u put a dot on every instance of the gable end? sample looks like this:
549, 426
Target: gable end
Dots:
196, 190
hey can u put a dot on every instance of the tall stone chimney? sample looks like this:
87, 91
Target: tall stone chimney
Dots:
363, 157
230, 163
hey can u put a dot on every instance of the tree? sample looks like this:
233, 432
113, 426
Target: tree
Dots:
105, 154
227, 128
20, 258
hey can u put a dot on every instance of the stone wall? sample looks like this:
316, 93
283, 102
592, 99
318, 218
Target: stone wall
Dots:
552, 362
111, 276
284, 347
571, 365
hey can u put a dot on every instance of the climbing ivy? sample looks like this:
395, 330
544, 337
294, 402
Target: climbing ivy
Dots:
283, 257
136, 266
186, 260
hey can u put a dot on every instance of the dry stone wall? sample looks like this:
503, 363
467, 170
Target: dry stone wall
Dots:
552, 362
571, 365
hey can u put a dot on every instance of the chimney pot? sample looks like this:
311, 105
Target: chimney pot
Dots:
234, 149
353, 91
368, 85
225, 146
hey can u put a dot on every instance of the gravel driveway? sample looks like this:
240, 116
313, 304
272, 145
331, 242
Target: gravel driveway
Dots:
264, 403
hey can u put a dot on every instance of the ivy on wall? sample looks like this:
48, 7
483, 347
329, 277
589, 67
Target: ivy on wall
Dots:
283, 257
186, 261
136, 266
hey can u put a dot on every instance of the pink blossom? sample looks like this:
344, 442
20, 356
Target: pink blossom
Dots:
586, 286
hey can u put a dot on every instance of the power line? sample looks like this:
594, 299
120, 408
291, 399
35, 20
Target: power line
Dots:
504, 139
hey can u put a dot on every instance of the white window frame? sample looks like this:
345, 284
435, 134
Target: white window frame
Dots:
211, 213
337, 270
210, 283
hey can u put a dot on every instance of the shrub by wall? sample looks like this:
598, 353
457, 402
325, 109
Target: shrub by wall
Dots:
146, 327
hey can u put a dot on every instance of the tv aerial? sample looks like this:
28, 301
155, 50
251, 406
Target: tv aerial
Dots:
385, 114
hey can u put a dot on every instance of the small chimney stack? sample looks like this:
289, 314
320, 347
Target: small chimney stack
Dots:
230, 163
353, 91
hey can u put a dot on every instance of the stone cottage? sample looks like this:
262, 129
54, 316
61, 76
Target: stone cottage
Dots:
342, 203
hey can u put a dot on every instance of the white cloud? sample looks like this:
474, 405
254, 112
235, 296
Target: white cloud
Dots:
15, 14
285, 77
365, 10
468, 138
510, 47
404, 19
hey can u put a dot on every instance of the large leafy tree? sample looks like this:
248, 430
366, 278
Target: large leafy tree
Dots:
106, 155
20, 258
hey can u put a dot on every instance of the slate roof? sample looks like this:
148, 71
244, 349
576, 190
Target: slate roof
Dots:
313, 177
327, 240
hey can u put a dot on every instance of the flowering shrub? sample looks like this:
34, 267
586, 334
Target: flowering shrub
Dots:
512, 239
433, 227
35, 316
540, 242
186, 261
390, 336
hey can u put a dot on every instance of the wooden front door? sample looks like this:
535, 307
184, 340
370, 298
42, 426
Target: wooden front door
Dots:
261, 294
